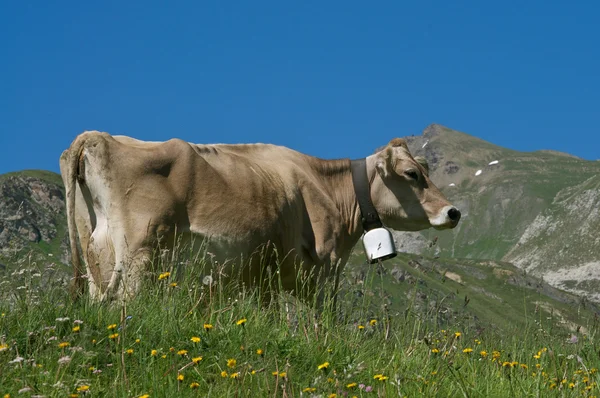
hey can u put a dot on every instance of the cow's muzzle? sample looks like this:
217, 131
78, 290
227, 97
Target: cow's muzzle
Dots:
448, 217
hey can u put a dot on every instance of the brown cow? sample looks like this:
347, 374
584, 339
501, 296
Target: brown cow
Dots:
126, 196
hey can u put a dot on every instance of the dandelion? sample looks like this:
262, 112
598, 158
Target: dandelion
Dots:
380, 377
180, 377
360, 327
144, 396
538, 355
241, 321
324, 365
113, 336
129, 351
468, 350
76, 328
173, 284
194, 385
83, 388
373, 322
524, 366
231, 363
235, 375
309, 389
3, 347
153, 353
457, 334
64, 344
137, 341
208, 326
112, 327
435, 351
332, 395
196, 359
182, 352
195, 339
260, 352
164, 275
224, 374
483, 354
351, 385
495, 355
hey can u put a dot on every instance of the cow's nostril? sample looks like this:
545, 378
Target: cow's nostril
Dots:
454, 214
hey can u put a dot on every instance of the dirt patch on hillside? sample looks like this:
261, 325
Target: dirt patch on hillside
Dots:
454, 277
502, 272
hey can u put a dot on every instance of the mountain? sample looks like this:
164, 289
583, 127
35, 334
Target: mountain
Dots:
537, 210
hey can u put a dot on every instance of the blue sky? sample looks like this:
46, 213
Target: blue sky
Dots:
331, 79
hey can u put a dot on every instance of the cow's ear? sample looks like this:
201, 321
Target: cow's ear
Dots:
396, 142
384, 162
423, 162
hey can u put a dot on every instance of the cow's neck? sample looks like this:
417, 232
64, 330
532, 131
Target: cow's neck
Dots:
337, 176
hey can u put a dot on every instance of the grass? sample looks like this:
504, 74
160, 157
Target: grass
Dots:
191, 337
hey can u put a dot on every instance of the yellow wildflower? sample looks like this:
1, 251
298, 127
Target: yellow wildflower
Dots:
64, 344
351, 385
241, 321
145, 396
457, 334
468, 350
3, 347
113, 336
435, 350
111, 327
360, 327
196, 359
260, 352
153, 353
231, 363
194, 385
373, 322
180, 377
224, 374
483, 354
208, 326
173, 284
332, 395
76, 328
129, 351
137, 340
164, 275
182, 352
495, 354
324, 365
524, 366
83, 388
309, 389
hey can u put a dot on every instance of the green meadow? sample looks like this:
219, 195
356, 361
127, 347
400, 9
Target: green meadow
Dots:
395, 332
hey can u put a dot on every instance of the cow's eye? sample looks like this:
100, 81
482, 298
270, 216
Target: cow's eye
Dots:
412, 174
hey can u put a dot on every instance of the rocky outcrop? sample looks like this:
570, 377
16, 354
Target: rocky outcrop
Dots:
32, 216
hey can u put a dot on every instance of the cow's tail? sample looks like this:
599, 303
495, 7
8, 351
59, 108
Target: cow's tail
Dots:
70, 180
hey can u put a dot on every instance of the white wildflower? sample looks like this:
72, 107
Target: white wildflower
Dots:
64, 360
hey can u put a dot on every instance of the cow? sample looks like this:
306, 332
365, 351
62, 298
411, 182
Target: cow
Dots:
254, 207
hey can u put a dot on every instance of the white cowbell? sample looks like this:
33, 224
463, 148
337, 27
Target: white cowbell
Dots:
379, 245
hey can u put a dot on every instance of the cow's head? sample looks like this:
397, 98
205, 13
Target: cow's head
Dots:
403, 194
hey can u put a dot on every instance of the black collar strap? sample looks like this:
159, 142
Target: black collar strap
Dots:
360, 180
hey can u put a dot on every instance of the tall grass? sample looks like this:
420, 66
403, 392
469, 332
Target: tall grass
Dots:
197, 336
